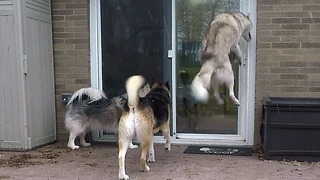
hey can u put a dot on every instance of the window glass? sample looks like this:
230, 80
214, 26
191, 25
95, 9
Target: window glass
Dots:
193, 18
132, 42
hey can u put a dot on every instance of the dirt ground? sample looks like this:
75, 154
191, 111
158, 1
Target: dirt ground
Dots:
56, 161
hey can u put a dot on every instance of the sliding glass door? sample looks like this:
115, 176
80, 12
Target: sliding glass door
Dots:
192, 21
161, 40
211, 122
135, 39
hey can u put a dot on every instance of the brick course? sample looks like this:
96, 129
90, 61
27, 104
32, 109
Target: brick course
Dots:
70, 20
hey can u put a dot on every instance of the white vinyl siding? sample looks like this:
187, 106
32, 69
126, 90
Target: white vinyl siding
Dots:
11, 108
40, 82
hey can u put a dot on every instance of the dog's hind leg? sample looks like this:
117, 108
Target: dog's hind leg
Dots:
151, 157
83, 142
72, 138
230, 85
232, 96
123, 147
215, 84
145, 145
145, 136
165, 129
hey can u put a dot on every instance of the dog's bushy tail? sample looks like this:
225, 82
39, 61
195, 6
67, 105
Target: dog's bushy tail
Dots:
133, 84
86, 94
198, 91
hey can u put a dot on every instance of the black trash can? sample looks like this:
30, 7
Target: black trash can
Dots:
291, 128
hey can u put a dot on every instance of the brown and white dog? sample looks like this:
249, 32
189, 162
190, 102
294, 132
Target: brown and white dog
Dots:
222, 37
144, 117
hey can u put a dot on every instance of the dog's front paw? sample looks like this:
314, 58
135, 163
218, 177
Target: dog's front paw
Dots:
123, 176
132, 146
85, 144
74, 147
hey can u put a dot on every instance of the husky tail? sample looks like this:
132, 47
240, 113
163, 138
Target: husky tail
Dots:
133, 84
198, 91
86, 95
201, 82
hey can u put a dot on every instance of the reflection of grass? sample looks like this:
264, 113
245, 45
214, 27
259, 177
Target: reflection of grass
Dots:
192, 71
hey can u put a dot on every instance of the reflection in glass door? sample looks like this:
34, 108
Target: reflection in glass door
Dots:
135, 39
192, 21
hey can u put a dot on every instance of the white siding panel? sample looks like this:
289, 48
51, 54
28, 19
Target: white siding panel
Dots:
40, 80
10, 120
6, 7
27, 101
6, 4
38, 9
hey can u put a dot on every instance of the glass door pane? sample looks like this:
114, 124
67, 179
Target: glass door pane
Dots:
192, 21
133, 42
135, 39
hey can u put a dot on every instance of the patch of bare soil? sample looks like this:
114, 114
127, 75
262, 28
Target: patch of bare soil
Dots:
259, 151
28, 158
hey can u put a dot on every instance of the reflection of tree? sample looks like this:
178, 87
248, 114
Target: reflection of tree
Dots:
193, 20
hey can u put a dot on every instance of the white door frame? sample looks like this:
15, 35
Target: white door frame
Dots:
245, 134
245, 137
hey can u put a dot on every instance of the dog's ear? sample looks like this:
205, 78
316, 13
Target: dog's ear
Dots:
248, 15
168, 85
123, 99
144, 90
124, 96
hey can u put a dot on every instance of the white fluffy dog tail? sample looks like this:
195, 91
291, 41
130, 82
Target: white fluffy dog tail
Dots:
91, 93
133, 84
198, 92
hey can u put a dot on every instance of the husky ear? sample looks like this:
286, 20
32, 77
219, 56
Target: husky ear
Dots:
144, 90
168, 85
122, 100
146, 87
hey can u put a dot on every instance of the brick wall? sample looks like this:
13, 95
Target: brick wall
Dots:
71, 51
288, 46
